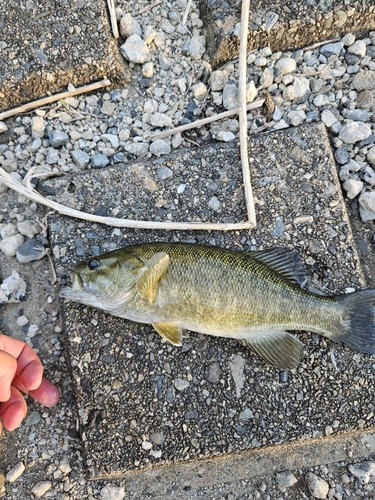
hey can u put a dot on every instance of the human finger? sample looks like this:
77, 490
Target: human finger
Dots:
14, 410
8, 367
46, 394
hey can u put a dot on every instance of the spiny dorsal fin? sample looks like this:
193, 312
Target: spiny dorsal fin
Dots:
150, 274
170, 331
280, 349
285, 262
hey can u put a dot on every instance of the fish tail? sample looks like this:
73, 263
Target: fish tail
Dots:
358, 320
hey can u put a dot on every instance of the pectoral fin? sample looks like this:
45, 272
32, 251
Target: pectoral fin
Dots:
280, 349
150, 274
170, 331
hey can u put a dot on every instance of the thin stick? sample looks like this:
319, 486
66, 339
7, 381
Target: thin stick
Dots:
319, 44
149, 7
54, 98
242, 113
112, 16
30, 193
204, 121
183, 22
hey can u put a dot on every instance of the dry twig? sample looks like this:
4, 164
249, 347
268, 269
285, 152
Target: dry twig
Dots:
183, 22
112, 16
29, 192
149, 7
209, 119
53, 98
319, 44
242, 113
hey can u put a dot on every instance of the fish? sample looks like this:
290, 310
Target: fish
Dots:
256, 297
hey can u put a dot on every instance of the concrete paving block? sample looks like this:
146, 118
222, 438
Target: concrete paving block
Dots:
44, 46
280, 25
125, 376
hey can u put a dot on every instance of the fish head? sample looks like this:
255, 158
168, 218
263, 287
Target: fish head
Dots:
107, 281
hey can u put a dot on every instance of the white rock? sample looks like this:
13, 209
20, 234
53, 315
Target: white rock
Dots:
8, 230
230, 95
296, 117
196, 46
40, 488
156, 453
199, 91
348, 39
10, 244
318, 487
302, 90
148, 70
129, 26
354, 131
112, 139
110, 492
38, 126
328, 118
358, 48
146, 445
181, 384
15, 472
13, 288
364, 472
217, 80
149, 34
320, 100
29, 228
371, 156
214, 203
136, 148
285, 479
352, 188
285, 65
160, 147
251, 91
135, 50
3, 127
161, 120
22, 321
225, 136
367, 205
177, 140
266, 78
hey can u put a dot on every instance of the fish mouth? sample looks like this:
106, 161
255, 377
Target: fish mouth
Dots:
75, 290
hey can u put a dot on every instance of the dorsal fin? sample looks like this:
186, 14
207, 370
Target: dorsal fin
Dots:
150, 275
285, 262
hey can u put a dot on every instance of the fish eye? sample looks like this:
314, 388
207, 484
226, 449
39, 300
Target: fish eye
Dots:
93, 263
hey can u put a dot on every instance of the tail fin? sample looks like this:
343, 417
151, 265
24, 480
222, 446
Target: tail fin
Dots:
358, 315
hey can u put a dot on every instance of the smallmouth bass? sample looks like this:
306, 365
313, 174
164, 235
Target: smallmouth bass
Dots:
254, 297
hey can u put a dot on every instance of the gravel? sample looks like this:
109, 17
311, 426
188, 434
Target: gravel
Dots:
90, 132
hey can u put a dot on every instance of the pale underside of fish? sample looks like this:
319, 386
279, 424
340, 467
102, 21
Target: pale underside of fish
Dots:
254, 297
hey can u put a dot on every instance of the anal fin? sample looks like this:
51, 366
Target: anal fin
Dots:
170, 331
280, 349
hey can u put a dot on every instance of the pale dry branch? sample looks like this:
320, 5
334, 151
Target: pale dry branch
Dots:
112, 16
245, 10
204, 121
53, 98
319, 44
30, 193
149, 7
183, 22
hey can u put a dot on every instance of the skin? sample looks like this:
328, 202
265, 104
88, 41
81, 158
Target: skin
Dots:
21, 371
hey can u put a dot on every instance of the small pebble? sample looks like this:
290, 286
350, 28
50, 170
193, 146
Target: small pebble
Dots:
15, 472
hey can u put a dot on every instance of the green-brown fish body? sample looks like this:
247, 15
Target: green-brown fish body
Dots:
254, 297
